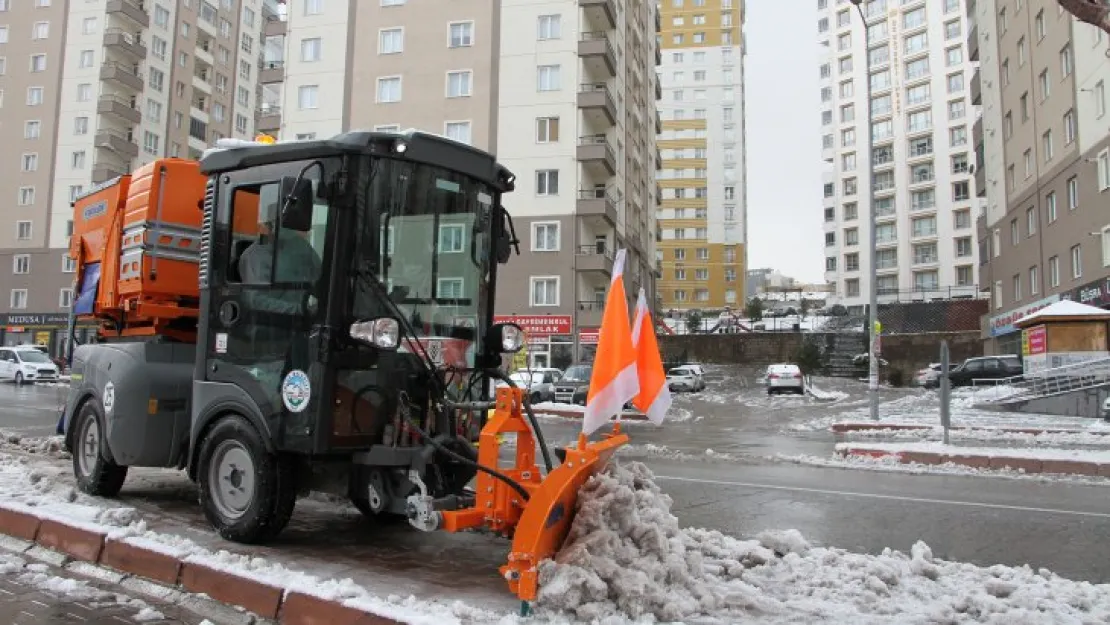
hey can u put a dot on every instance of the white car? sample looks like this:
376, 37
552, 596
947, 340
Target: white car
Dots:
684, 378
928, 377
26, 364
784, 377
540, 383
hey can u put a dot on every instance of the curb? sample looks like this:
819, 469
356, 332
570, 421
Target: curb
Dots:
275, 603
1026, 465
841, 428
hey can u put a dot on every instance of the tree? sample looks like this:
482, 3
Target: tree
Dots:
804, 307
1093, 12
754, 309
693, 322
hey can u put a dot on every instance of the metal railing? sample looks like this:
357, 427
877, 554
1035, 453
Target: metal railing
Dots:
597, 249
599, 140
118, 100
600, 36
594, 87
1075, 376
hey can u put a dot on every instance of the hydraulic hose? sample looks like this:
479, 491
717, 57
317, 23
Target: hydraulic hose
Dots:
459, 457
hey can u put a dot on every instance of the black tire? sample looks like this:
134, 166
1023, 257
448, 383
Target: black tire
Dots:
535, 398
272, 488
19, 378
94, 473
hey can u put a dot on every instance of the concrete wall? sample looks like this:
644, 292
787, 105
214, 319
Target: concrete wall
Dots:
907, 352
1082, 403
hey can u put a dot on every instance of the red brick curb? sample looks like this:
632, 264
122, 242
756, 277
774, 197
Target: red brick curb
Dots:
1028, 465
841, 428
575, 414
286, 606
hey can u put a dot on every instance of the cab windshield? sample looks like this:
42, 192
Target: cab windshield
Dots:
424, 232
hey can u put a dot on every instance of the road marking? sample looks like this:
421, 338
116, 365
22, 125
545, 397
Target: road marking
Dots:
949, 502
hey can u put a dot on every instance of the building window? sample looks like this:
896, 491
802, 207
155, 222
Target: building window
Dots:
389, 89
459, 83
545, 236
65, 298
21, 263
545, 291
547, 129
547, 182
23, 230
19, 299
997, 294
391, 41
68, 264
310, 50
308, 96
29, 162
26, 196
548, 27
458, 131
460, 34
547, 78
1069, 127
1076, 262
1034, 285
452, 238
1054, 271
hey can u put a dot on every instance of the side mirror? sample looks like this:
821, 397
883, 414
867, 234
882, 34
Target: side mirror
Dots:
506, 338
296, 203
382, 332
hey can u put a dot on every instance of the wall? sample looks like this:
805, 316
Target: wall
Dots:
1081, 403
907, 352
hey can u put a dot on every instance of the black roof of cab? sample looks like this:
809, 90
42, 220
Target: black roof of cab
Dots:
419, 147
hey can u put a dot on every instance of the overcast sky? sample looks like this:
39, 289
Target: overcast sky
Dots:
783, 105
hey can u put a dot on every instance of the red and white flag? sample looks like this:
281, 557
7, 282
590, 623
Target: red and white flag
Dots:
614, 381
654, 398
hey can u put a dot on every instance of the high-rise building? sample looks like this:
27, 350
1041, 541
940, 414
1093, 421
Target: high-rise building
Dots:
918, 69
94, 89
333, 66
577, 125
1044, 162
703, 213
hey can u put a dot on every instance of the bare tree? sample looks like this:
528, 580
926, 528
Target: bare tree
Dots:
1093, 12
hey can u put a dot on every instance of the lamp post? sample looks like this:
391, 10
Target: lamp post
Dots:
873, 287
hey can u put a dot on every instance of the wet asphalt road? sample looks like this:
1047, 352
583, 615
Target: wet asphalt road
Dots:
1055, 525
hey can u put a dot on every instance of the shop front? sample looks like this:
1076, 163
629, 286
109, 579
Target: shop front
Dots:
1003, 335
1095, 294
45, 329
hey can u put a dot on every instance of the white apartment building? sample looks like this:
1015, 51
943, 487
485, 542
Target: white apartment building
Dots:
925, 201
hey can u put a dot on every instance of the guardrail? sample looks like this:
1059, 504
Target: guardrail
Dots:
1071, 377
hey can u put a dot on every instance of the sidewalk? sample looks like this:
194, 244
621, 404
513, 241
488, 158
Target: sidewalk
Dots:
1026, 460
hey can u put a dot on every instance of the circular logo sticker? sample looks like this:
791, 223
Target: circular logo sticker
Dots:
108, 397
296, 391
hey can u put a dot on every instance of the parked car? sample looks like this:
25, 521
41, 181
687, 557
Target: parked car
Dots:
540, 383
784, 378
986, 368
684, 378
929, 377
574, 385
27, 364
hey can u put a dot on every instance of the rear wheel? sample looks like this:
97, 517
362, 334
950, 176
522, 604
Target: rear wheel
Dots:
247, 493
94, 473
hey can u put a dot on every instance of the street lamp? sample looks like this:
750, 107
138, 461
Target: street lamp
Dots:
873, 286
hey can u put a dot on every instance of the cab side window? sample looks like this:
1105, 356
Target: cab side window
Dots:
248, 226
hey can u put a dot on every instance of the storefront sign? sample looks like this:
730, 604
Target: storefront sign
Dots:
1004, 323
1095, 293
1034, 341
589, 336
537, 326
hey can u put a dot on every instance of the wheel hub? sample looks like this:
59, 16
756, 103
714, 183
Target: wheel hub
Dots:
232, 477
89, 446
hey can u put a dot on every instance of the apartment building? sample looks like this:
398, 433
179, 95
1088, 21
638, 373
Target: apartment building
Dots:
913, 55
384, 64
703, 214
94, 90
1045, 163
578, 124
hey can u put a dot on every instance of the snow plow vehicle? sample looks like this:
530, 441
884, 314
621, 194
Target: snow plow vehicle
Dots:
315, 316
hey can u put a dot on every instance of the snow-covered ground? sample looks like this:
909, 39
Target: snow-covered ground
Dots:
1100, 456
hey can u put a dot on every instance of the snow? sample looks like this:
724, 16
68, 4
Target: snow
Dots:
1080, 455
1064, 308
1088, 437
892, 464
821, 395
149, 614
627, 558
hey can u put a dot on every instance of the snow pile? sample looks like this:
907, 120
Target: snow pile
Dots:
626, 559
821, 395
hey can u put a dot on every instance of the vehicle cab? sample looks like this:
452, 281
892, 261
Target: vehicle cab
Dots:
27, 364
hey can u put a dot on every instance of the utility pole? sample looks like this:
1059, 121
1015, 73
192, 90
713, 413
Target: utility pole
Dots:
873, 286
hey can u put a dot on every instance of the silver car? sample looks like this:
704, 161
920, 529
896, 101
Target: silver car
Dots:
540, 383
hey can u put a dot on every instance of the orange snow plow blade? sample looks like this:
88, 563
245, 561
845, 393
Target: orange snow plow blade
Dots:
539, 525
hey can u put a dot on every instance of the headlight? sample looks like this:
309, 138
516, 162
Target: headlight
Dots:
383, 332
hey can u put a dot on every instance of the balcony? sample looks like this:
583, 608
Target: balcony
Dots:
275, 26
103, 172
117, 142
604, 10
658, 55
594, 258
269, 119
596, 100
658, 89
120, 108
119, 40
977, 132
595, 49
121, 75
658, 21
973, 43
595, 151
658, 159
976, 88
203, 52
590, 313
271, 72
658, 195
130, 10
597, 204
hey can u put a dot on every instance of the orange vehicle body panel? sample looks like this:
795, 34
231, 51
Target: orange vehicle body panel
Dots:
144, 230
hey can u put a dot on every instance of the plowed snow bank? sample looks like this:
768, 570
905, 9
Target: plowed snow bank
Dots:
627, 558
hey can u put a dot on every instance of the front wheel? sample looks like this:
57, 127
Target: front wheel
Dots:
247, 493
95, 474
19, 378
